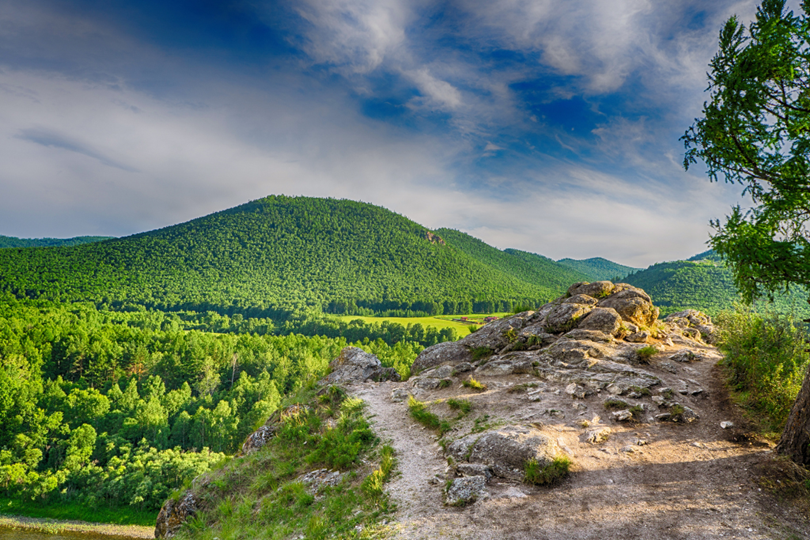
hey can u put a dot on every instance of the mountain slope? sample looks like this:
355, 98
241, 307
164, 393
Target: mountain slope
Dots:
705, 285
528, 267
272, 256
11, 242
598, 268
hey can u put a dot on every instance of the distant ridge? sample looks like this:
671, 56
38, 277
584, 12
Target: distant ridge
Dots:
281, 255
12, 242
598, 268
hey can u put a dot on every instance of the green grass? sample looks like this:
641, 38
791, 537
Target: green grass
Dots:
546, 475
257, 496
614, 403
124, 515
765, 359
421, 414
464, 406
435, 322
645, 353
474, 384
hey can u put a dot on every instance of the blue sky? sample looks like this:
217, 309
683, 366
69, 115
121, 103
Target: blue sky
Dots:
541, 125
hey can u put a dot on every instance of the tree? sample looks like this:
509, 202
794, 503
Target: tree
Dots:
756, 132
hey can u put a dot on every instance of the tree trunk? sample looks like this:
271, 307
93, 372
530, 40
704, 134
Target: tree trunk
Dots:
795, 440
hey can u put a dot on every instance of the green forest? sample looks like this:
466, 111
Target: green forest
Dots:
276, 256
119, 409
12, 242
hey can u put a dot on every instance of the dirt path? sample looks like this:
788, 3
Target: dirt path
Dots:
693, 481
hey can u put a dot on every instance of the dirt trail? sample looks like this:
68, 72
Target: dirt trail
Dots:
693, 481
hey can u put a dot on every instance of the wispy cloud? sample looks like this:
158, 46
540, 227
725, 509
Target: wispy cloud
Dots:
65, 142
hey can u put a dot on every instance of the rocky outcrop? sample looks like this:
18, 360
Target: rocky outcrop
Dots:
174, 513
354, 365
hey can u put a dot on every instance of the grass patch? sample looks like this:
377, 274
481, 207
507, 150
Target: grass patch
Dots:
464, 406
77, 511
482, 423
550, 474
766, 360
479, 353
613, 404
259, 496
421, 414
645, 353
641, 390
445, 383
474, 384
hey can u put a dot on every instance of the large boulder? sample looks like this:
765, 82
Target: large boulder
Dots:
449, 352
174, 513
634, 305
564, 317
258, 439
505, 450
597, 289
603, 319
356, 365
497, 334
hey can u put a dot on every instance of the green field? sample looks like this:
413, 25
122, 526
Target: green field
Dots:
438, 322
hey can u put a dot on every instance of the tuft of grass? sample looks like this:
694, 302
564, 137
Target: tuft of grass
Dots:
421, 414
474, 384
637, 412
765, 359
464, 406
479, 353
645, 353
444, 383
550, 474
641, 390
614, 403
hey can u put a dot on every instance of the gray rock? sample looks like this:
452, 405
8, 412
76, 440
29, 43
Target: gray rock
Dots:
602, 319
398, 395
634, 305
319, 479
726, 425
451, 352
463, 368
441, 372
597, 289
356, 365
621, 416
174, 513
565, 317
510, 364
638, 337
581, 334
497, 334
598, 435
684, 355
258, 439
463, 491
569, 350
581, 299
474, 469
505, 450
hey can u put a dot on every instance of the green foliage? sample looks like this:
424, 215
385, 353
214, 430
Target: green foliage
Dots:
707, 285
615, 403
479, 353
598, 269
546, 475
646, 352
754, 131
462, 405
277, 257
474, 384
261, 496
11, 242
766, 359
421, 414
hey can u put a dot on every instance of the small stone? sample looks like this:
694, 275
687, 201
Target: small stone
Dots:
628, 449
663, 417
621, 416
598, 435
465, 490
669, 367
658, 400
696, 391
399, 395
726, 424
640, 442
556, 413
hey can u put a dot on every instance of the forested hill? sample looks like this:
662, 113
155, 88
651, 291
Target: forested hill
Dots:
527, 267
276, 255
12, 242
706, 284
598, 268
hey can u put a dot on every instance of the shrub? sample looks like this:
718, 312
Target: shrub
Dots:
546, 475
462, 405
614, 403
475, 385
766, 360
645, 353
479, 353
419, 412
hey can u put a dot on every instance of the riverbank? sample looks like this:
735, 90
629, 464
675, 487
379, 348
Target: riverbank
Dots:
54, 526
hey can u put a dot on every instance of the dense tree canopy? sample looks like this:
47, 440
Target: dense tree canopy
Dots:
756, 131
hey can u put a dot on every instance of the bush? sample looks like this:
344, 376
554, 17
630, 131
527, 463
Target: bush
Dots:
474, 384
645, 353
546, 475
766, 360
462, 405
419, 412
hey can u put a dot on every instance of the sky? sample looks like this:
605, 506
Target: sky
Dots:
542, 125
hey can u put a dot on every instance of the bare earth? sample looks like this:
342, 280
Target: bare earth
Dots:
650, 480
